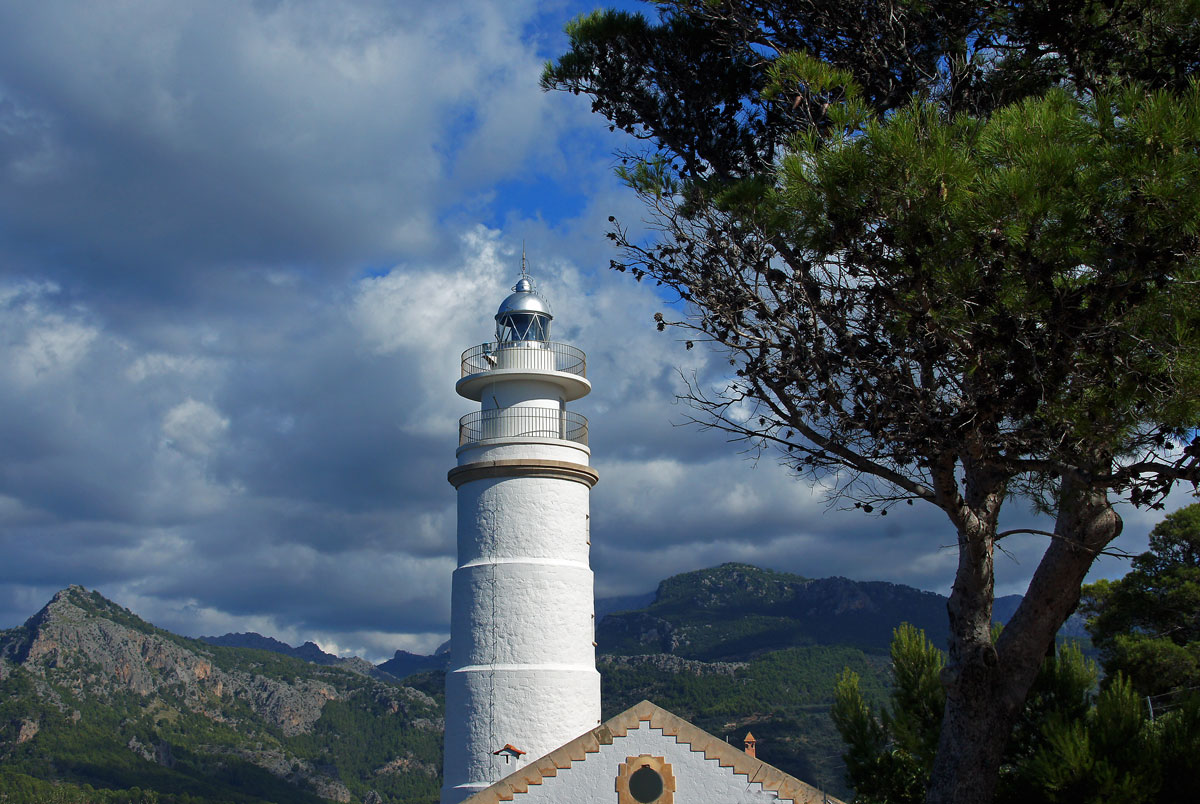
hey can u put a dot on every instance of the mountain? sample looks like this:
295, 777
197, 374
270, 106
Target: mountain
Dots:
404, 664
737, 611
1075, 628
94, 699
609, 605
308, 652
258, 642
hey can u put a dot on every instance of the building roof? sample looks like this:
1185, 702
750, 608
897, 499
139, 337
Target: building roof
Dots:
696, 739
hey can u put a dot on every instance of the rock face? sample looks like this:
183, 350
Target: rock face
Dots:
675, 665
100, 649
87, 673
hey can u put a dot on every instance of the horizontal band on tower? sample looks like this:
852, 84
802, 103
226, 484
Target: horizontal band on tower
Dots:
589, 669
531, 467
530, 560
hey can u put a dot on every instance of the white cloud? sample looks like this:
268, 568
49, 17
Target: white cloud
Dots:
54, 347
194, 428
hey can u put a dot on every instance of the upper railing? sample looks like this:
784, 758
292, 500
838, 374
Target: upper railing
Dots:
536, 355
483, 425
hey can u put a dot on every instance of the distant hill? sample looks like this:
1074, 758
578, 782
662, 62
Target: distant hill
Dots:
404, 664
608, 605
308, 652
95, 699
737, 611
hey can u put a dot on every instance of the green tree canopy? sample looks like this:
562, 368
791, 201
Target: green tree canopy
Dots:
952, 251
1147, 624
1072, 743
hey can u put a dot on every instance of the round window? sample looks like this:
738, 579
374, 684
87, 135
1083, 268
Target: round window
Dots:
645, 785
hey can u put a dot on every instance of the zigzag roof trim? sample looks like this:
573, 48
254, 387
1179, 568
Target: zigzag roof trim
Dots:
698, 740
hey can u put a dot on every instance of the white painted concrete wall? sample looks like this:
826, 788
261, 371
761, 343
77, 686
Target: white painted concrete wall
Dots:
523, 663
697, 780
533, 517
524, 449
521, 393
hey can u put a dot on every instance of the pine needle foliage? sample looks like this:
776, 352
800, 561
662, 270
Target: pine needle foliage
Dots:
1072, 744
951, 251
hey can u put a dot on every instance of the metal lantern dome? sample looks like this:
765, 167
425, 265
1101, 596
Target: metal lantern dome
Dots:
524, 316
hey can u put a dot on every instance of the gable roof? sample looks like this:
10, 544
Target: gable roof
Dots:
695, 738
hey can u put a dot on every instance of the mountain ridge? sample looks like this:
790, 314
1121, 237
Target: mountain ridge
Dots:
734, 611
859, 613
91, 694
308, 652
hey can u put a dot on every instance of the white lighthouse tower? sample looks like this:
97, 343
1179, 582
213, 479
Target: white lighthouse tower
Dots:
522, 678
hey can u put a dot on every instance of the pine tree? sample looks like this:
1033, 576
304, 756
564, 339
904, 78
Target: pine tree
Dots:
1147, 624
951, 251
1071, 744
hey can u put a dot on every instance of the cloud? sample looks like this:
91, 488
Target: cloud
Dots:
176, 139
241, 250
194, 428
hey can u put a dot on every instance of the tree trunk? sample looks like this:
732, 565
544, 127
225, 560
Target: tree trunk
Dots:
969, 747
986, 684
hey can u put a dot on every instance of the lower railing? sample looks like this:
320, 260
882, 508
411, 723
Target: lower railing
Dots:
483, 425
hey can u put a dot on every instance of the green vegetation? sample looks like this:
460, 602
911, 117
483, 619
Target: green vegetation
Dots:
361, 737
19, 788
1071, 743
950, 251
234, 726
85, 741
1147, 624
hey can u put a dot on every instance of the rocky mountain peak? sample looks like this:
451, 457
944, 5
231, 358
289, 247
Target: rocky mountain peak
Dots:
87, 644
84, 671
70, 612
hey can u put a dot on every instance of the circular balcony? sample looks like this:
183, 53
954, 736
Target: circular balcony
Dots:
485, 425
540, 361
535, 355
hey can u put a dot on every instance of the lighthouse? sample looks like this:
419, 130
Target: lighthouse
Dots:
522, 679
522, 692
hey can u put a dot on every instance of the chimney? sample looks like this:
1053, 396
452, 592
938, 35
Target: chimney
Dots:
750, 743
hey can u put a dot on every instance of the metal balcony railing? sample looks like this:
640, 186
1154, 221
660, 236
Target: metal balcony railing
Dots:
536, 355
483, 425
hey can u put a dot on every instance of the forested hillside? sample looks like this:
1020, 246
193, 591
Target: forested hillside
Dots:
737, 610
97, 705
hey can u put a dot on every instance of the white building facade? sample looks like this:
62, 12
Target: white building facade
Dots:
646, 755
522, 679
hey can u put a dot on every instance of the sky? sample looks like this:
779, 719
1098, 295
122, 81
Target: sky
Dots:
242, 246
